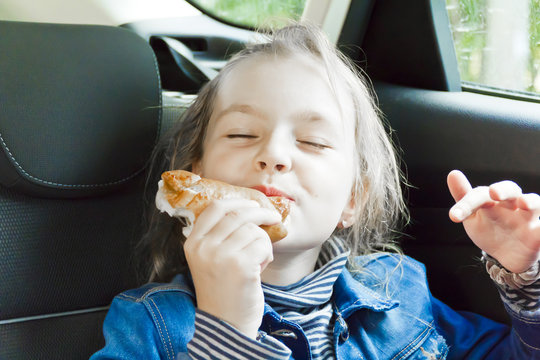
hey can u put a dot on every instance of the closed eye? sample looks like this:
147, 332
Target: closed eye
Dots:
241, 136
314, 144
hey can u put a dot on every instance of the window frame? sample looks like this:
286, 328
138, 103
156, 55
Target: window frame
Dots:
329, 14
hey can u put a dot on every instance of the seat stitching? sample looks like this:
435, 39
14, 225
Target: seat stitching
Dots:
160, 96
26, 174
156, 139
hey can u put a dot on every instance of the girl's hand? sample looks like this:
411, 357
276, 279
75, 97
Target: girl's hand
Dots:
499, 219
226, 253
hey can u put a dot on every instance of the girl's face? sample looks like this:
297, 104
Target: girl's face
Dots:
277, 125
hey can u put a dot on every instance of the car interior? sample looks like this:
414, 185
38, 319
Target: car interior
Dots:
83, 106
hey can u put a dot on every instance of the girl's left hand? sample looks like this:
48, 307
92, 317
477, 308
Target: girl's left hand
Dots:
499, 219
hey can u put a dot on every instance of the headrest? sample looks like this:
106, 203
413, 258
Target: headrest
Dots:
80, 108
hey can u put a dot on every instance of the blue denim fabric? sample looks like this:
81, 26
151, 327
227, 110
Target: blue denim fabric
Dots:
383, 312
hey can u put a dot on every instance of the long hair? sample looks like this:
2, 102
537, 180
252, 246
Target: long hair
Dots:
377, 186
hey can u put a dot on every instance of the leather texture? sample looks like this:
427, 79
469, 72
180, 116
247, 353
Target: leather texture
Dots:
65, 337
80, 113
64, 255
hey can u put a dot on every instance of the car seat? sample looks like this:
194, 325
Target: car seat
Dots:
80, 112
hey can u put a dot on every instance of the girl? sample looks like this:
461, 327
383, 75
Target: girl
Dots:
293, 117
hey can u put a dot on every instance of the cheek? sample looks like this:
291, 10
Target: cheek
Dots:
224, 165
320, 216
330, 187
333, 176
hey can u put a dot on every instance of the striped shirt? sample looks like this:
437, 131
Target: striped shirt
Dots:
521, 292
215, 339
306, 303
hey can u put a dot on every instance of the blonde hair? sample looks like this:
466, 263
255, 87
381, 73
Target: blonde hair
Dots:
377, 185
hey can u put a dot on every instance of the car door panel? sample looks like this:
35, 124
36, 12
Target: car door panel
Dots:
487, 137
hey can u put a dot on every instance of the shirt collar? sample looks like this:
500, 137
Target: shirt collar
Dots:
316, 288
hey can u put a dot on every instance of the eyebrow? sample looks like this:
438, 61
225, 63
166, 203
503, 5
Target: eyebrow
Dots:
241, 108
309, 115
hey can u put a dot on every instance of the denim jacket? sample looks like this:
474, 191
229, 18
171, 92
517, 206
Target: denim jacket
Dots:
384, 311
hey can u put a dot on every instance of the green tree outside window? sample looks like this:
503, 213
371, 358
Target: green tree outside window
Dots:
497, 42
254, 13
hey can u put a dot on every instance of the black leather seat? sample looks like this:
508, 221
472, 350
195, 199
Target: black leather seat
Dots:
79, 116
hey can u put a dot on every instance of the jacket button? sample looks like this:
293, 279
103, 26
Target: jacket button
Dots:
344, 335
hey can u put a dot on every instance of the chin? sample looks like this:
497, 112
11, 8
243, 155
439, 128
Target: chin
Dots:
292, 243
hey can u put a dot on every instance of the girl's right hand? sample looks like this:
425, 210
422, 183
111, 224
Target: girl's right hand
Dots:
226, 252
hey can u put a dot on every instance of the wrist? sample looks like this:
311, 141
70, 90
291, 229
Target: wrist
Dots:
505, 277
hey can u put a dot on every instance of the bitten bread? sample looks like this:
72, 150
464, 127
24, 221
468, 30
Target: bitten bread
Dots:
184, 194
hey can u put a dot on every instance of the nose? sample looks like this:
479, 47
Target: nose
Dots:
273, 157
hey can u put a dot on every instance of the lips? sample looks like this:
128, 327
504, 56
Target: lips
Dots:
271, 191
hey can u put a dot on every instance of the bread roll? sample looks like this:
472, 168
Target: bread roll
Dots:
184, 194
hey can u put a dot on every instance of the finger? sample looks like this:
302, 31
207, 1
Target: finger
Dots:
529, 202
504, 190
214, 213
240, 235
246, 250
209, 218
472, 201
238, 218
260, 250
458, 184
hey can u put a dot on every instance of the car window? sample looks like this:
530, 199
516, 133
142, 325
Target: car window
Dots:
497, 44
101, 12
253, 13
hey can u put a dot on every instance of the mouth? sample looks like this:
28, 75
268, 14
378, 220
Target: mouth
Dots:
271, 191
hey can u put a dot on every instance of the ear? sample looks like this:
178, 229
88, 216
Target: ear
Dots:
348, 216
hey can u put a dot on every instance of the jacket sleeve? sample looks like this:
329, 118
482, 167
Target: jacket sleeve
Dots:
170, 328
472, 336
130, 333
520, 294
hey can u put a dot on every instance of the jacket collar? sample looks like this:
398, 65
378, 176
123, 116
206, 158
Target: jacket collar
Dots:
351, 295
